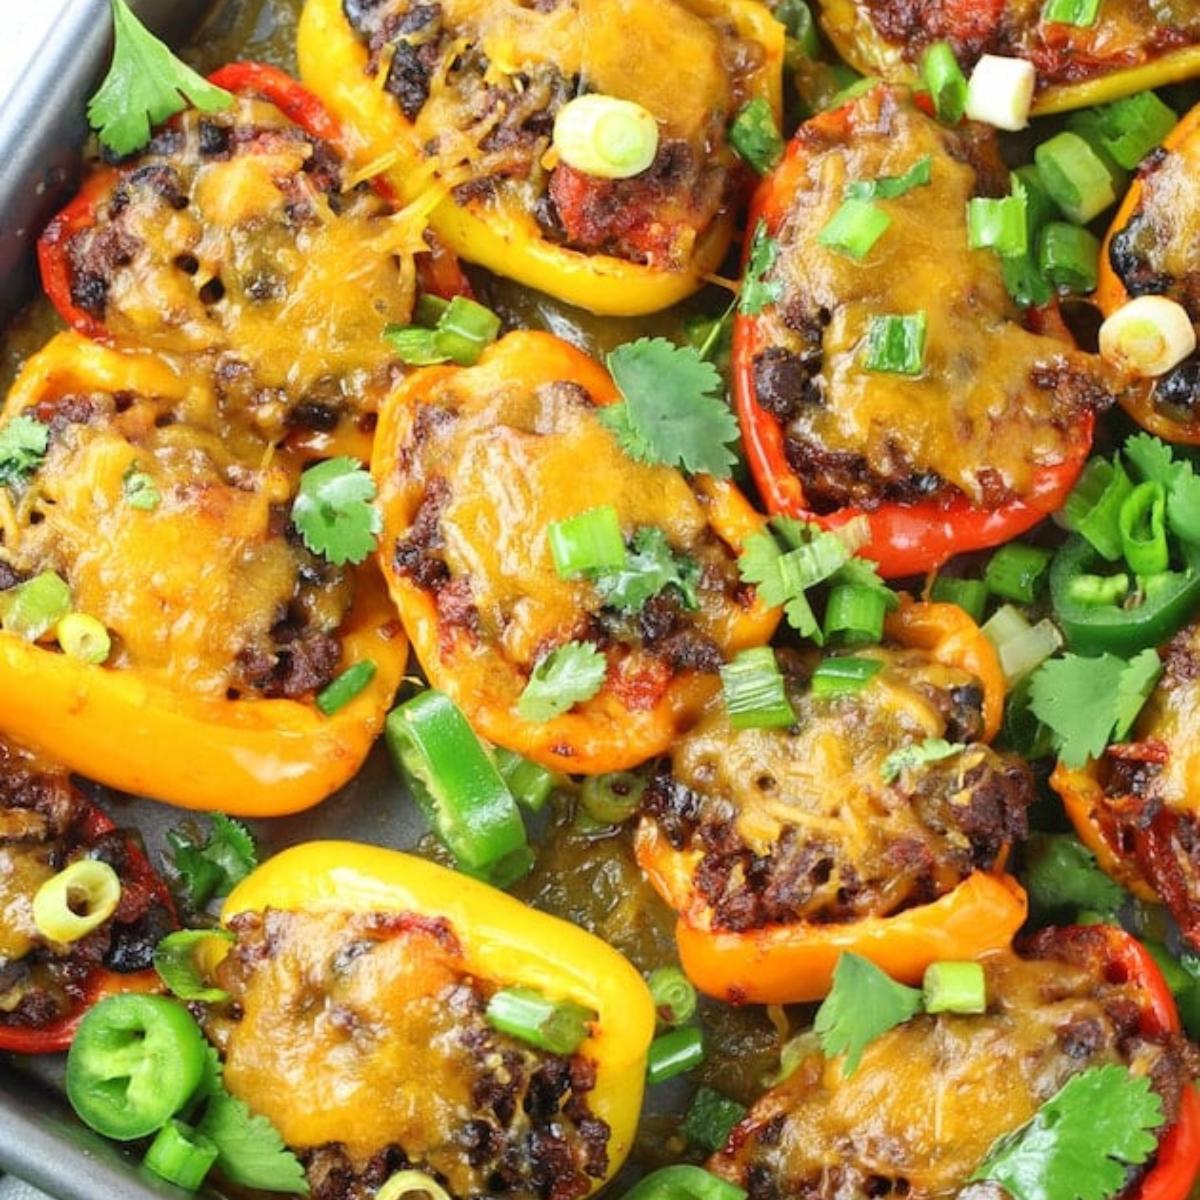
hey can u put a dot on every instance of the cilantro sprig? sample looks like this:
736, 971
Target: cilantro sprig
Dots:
567, 676
23, 443
757, 291
333, 511
1088, 702
208, 866
1081, 1143
863, 1004
1061, 876
1157, 462
672, 409
918, 754
650, 569
145, 85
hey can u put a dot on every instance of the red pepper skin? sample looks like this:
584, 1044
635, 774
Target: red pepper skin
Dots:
138, 880
438, 271
906, 539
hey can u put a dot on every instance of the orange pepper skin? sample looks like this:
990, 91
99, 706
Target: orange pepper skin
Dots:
503, 942
601, 734
333, 63
1138, 398
783, 964
248, 757
859, 43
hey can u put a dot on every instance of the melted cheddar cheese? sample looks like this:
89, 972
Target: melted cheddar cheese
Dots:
515, 460
364, 1032
973, 417
829, 836
931, 1096
232, 237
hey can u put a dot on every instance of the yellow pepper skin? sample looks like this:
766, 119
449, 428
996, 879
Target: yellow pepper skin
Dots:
132, 730
507, 240
857, 41
503, 941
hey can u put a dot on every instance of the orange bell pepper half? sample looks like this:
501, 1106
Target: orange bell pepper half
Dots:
782, 964
135, 731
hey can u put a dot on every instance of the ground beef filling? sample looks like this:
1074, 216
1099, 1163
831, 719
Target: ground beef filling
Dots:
489, 475
45, 824
931, 1096
1127, 33
861, 437
800, 824
440, 74
218, 527
1155, 255
365, 1032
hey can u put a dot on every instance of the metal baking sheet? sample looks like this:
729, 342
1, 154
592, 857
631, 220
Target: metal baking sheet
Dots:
42, 128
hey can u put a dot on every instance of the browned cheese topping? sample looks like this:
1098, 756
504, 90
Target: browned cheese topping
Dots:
363, 1040
45, 824
218, 530
931, 1096
487, 470
237, 236
799, 824
994, 402
481, 81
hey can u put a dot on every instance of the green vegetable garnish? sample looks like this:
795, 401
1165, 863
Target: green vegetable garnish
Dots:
334, 513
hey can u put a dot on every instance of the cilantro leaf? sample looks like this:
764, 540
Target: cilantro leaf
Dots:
1060, 873
863, 1003
561, 679
1086, 702
250, 1152
888, 187
146, 84
757, 291
650, 569
673, 411
210, 866
918, 754
1151, 458
23, 443
333, 511
1081, 1142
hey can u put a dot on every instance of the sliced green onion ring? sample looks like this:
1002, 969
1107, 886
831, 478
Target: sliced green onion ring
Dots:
350, 683
954, 987
843, 675
1142, 523
181, 1155
588, 541
674, 1053
76, 901
945, 81
605, 136
674, 996
612, 799
755, 692
558, 1027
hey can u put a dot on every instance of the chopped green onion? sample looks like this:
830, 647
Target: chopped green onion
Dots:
415, 346
684, 1182
612, 799
1016, 571
1148, 336
530, 783
588, 541
969, 594
896, 344
1040, 209
1071, 12
456, 784
755, 136
806, 565
1143, 529
139, 489
888, 187
559, 1027
999, 225
1020, 646
946, 83
1000, 91
674, 996
1098, 589
33, 608
336, 695
856, 613
605, 137
465, 329
855, 228
710, 1119
84, 638
796, 17
1093, 508
412, 1182
1129, 128
844, 675
181, 1155
428, 310
76, 901
674, 1054
175, 960
857, 86
1069, 257
754, 691
954, 987
1076, 176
